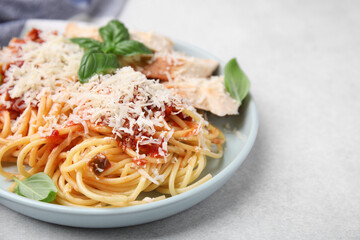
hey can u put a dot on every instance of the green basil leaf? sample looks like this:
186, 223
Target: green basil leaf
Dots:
0, 78
87, 43
94, 62
114, 31
131, 47
38, 187
236, 82
108, 47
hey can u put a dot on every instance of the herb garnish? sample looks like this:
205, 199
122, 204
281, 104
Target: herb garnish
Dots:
94, 62
38, 187
236, 82
101, 57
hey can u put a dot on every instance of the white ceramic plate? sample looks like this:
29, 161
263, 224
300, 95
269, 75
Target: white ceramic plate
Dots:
238, 145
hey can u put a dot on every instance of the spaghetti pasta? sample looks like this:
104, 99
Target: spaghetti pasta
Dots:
103, 143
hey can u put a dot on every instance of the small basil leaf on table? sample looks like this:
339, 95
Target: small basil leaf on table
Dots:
114, 31
87, 43
38, 187
131, 47
94, 62
236, 82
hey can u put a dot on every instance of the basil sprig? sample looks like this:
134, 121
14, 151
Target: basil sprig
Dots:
94, 62
101, 57
38, 187
236, 82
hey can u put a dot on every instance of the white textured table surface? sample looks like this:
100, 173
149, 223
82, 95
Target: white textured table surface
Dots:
302, 179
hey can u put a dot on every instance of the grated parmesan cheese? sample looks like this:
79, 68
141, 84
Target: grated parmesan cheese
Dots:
158, 176
124, 101
146, 175
47, 67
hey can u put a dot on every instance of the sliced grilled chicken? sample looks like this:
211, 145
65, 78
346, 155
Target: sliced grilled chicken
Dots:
155, 42
205, 93
74, 30
167, 66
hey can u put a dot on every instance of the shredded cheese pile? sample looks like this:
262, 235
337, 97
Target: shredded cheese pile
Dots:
125, 101
46, 67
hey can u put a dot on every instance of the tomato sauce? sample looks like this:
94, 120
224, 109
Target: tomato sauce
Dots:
55, 137
34, 35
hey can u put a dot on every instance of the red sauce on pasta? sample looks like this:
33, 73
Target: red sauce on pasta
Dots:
55, 137
34, 35
139, 162
152, 150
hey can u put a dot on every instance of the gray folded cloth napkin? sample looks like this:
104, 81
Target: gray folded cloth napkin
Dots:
14, 13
